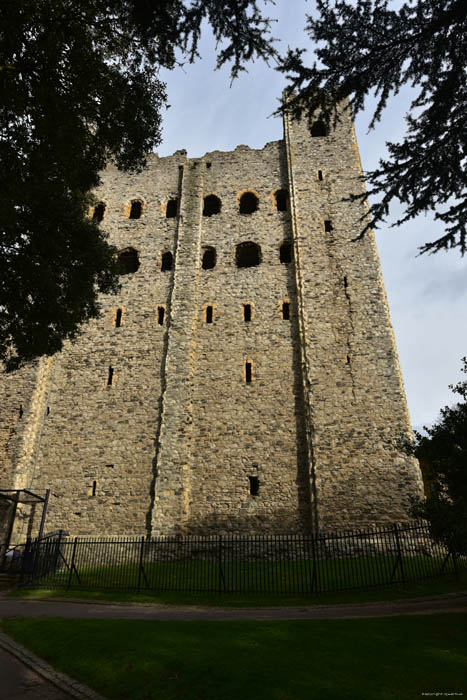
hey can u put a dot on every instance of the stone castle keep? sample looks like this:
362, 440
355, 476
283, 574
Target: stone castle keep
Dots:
246, 378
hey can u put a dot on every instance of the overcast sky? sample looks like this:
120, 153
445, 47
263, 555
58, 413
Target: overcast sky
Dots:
427, 294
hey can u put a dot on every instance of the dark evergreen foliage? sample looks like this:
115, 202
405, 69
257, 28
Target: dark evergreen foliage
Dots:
80, 87
364, 48
443, 457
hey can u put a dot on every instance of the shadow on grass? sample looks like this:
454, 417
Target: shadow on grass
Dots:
373, 659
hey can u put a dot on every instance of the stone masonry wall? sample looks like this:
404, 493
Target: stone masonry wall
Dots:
175, 442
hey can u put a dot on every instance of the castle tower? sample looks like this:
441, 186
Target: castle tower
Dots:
246, 378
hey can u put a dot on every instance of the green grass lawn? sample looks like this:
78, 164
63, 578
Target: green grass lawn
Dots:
378, 659
271, 578
435, 586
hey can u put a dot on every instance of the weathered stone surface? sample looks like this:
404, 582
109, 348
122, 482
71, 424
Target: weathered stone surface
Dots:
171, 444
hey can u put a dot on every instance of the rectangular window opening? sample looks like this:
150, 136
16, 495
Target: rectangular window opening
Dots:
286, 311
94, 488
248, 372
320, 174
209, 311
160, 315
111, 376
254, 485
247, 312
118, 318
328, 226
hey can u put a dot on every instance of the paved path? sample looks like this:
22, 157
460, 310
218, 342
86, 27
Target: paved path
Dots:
24, 676
20, 682
15, 607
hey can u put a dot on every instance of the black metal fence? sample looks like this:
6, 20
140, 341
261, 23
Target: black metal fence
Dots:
269, 564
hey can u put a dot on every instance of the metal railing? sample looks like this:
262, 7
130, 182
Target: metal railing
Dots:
266, 564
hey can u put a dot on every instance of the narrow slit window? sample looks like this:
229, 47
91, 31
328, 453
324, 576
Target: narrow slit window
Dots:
167, 262
320, 175
136, 209
94, 488
282, 200
48, 411
110, 376
346, 284
248, 372
171, 211
99, 211
285, 253
21, 412
209, 314
347, 361
328, 226
254, 485
209, 259
247, 312
285, 311
118, 318
160, 315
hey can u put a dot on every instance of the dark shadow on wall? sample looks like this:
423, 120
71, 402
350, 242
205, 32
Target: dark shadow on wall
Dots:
281, 521
306, 500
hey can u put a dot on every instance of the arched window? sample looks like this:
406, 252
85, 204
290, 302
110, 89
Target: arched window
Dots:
285, 253
136, 209
247, 254
167, 261
209, 258
249, 203
99, 211
171, 211
128, 261
282, 200
318, 129
212, 205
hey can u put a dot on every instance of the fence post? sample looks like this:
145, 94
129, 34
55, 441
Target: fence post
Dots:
313, 575
220, 565
141, 554
72, 562
24, 559
399, 553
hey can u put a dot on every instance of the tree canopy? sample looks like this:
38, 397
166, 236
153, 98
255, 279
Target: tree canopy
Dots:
366, 48
443, 457
80, 88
